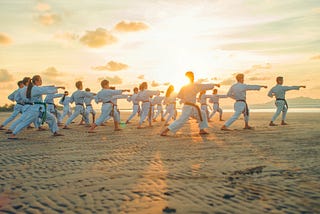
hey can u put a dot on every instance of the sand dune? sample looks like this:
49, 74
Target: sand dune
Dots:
269, 169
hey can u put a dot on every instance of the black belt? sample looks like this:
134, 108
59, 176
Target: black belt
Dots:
246, 112
88, 105
197, 107
79, 104
28, 104
285, 102
107, 102
21, 104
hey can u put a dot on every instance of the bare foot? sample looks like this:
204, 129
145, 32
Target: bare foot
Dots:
12, 137
8, 132
165, 132
272, 124
224, 128
56, 134
203, 132
248, 127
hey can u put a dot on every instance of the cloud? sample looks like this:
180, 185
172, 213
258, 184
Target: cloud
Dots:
111, 66
201, 80
155, 84
98, 38
43, 7
51, 76
141, 77
130, 26
254, 68
259, 78
5, 76
115, 80
52, 72
228, 81
317, 57
4, 39
48, 18
67, 36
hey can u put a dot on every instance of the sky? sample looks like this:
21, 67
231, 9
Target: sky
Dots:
131, 41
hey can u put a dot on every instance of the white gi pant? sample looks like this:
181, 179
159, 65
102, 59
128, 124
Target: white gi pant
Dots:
115, 113
106, 109
159, 112
216, 108
78, 110
66, 111
135, 110
51, 108
204, 107
281, 107
171, 112
16, 110
33, 113
145, 112
239, 108
189, 111
36, 122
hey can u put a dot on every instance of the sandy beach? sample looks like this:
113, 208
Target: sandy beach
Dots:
266, 170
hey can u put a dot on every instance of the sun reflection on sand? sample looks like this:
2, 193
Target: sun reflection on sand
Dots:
149, 189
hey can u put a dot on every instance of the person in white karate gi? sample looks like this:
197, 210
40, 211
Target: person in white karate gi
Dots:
17, 109
214, 99
279, 92
89, 109
135, 104
115, 112
144, 96
105, 96
51, 106
238, 92
170, 100
156, 103
77, 97
65, 101
203, 102
188, 96
38, 108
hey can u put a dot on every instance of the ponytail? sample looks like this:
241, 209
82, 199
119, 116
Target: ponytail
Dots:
169, 90
31, 84
29, 88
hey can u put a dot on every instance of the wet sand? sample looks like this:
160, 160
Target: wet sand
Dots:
266, 170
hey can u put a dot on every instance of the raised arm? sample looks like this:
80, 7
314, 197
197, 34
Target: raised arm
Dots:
288, 88
255, 87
